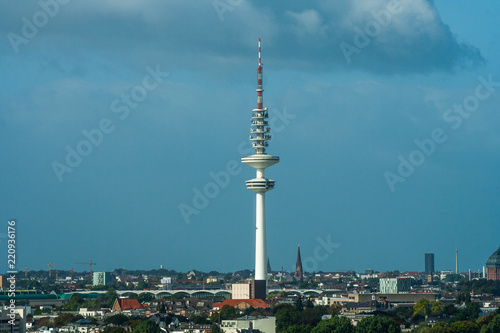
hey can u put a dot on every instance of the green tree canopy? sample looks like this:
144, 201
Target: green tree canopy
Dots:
64, 319
117, 319
286, 315
465, 326
378, 324
334, 325
493, 326
146, 326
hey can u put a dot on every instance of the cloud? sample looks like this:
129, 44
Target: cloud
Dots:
388, 37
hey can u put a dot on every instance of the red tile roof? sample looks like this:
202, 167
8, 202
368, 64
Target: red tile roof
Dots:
127, 304
256, 303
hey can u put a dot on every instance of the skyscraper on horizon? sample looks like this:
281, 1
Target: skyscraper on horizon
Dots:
429, 265
259, 135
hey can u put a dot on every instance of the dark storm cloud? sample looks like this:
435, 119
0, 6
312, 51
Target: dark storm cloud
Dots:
397, 36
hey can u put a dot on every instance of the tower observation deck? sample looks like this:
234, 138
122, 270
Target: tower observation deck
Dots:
260, 137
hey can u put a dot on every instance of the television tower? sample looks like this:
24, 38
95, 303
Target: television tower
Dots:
259, 135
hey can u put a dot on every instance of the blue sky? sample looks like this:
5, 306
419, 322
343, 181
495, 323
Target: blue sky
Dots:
384, 115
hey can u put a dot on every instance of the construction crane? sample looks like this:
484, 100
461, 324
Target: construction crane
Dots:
26, 271
88, 263
72, 271
50, 268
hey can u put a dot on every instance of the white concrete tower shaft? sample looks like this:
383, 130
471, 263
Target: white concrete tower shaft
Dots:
259, 135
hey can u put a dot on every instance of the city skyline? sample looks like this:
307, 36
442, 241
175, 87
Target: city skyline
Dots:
123, 125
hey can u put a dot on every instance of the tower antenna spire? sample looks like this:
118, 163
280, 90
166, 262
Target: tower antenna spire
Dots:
260, 62
259, 135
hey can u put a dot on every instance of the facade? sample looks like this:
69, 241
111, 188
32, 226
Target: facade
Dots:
394, 285
242, 290
101, 278
493, 266
263, 324
17, 317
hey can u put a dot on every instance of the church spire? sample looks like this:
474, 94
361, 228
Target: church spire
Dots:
298, 265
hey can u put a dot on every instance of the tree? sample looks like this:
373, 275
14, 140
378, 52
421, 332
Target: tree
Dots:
298, 304
334, 308
493, 326
200, 319
64, 319
216, 329
114, 329
334, 325
465, 326
422, 307
470, 312
117, 319
228, 312
45, 321
377, 324
146, 326
286, 315
302, 328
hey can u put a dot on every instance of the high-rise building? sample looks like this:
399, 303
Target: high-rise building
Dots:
101, 278
429, 263
429, 266
493, 266
298, 266
259, 135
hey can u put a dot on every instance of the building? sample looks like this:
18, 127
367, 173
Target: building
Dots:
493, 266
249, 323
394, 285
298, 266
429, 263
241, 290
167, 280
16, 316
101, 278
122, 304
429, 266
4, 284
242, 304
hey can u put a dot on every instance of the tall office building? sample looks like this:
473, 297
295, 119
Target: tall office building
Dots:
429, 265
